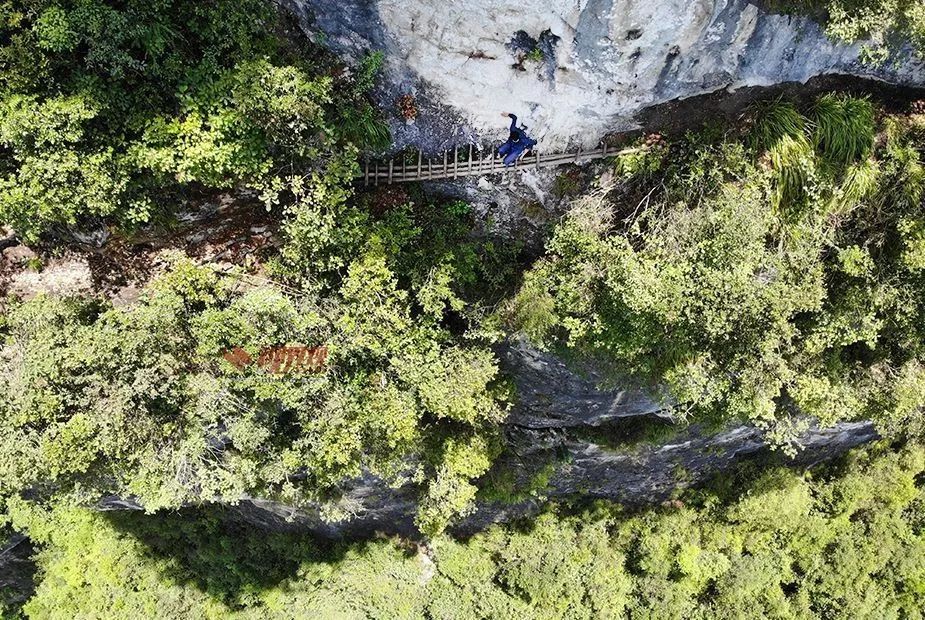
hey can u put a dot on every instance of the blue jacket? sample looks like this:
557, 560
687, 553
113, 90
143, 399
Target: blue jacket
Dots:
516, 144
520, 134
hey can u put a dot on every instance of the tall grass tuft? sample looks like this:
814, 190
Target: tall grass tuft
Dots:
775, 120
860, 181
365, 129
794, 165
844, 128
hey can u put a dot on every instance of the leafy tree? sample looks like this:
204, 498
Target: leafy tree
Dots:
113, 110
770, 275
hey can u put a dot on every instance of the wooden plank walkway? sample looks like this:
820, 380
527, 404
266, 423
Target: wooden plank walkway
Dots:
401, 171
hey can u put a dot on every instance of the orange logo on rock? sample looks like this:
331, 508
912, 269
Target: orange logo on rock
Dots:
281, 359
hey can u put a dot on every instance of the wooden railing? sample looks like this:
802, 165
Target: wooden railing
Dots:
401, 171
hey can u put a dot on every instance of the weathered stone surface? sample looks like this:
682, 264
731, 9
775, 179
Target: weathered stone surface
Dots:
17, 570
638, 476
599, 63
552, 395
558, 429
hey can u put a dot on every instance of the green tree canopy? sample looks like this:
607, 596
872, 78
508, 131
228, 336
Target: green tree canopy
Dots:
114, 110
762, 276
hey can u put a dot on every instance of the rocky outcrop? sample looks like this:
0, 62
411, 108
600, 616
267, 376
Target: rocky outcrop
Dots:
556, 464
573, 69
552, 395
566, 439
17, 571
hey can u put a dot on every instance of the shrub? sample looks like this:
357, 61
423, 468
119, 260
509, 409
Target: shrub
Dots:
734, 295
844, 541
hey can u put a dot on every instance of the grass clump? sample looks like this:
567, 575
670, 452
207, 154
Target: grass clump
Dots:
843, 128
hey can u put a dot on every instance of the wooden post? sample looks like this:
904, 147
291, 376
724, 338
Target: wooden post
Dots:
444, 164
455, 162
470, 159
604, 150
578, 155
377, 174
537, 159
366, 175
404, 167
419, 164
430, 168
391, 162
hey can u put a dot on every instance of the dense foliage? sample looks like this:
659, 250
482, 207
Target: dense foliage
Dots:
139, 401
884, 25
760, 276
774, 274
114, 110
844, 543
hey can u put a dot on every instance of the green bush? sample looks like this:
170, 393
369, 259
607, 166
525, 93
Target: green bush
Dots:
111, 110
880, 21
785, 275
845, 541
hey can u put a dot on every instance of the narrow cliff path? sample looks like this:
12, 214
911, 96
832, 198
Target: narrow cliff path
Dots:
400, 171
671, 118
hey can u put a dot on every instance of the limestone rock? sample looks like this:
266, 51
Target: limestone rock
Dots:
573, 70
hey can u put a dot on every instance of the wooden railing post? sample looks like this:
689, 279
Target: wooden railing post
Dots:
487, 163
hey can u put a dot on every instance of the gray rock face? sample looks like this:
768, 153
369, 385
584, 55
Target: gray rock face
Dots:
550, 395
566, 438
573, 70
571, 467
17, 570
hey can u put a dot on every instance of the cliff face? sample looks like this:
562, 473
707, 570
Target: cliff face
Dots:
555, 464
573, 70
566, 438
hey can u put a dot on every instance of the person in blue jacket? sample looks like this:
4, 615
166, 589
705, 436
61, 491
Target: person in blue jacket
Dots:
516, 144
